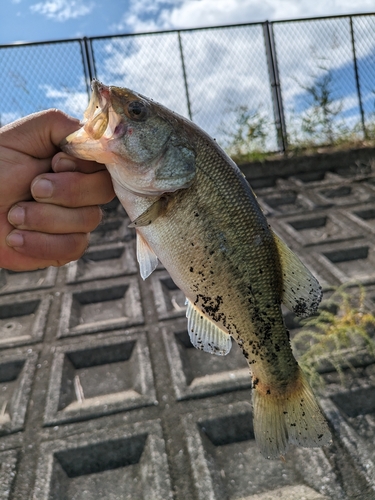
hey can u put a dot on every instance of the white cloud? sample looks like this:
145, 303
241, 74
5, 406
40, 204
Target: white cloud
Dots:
152, 15
62, 10
72, 102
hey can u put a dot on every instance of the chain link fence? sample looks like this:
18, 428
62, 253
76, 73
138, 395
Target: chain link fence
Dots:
256, 87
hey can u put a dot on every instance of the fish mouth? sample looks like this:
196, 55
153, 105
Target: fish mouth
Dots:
100, 123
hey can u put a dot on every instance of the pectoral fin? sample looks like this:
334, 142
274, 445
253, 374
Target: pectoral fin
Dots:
204, 334
158, 208
302, 292
146, 257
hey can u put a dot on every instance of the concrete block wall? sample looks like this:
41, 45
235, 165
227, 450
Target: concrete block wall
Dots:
102, 396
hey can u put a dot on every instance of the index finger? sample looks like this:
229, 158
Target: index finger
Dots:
39, 134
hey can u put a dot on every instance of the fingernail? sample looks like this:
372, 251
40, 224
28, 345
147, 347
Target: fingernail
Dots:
16, 216
64, 165
14, 240
42, 188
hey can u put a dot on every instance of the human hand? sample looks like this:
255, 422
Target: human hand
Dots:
54, 229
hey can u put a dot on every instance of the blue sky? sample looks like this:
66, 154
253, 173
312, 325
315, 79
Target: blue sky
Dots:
51, 75
37, 20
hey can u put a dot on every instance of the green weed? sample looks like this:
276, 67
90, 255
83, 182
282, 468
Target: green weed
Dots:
341, 328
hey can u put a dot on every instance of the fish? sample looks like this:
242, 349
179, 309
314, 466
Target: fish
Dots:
194, 211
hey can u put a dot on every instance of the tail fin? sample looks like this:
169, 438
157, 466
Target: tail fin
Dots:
294, 418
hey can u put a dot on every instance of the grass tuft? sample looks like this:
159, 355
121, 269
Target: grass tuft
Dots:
341, 328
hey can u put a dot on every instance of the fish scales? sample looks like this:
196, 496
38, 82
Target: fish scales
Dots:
194, 211
227, 240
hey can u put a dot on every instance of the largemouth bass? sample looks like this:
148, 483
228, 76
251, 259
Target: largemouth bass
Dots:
195, 212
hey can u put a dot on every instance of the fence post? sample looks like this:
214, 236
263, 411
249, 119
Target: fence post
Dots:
273, 72
184, 75
357, 79
88, 62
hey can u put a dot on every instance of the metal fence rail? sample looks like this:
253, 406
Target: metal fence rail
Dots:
260, 86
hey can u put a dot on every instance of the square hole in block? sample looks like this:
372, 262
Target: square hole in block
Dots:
368, 214
105, 470
282, 200
321, 229
99, 307
311, 223
235, 465
356, 402
112, 463
337, 192
311, 176
12, 282
100, 377
103, 371
199, 366
101, 263
197, 373
23, 322
17, 319
353, 263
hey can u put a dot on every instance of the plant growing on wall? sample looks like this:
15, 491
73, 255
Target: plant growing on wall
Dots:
320, 124
245, 139
334, 337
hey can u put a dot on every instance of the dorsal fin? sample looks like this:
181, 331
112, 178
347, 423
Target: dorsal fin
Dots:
302, 292
146, 257
204, 334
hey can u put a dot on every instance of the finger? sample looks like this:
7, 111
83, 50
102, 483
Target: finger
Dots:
73, 189
63, 162
16, 174
39, 134
54, 219
48, 249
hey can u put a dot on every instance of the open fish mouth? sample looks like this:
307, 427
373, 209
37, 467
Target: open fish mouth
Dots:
99, 119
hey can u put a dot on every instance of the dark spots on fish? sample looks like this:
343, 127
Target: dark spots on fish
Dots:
285, 412
301, 308
196, 214
277, 348
320, 436
255, 382
260, 271
293, 425
268, 391
192, 244
191, 269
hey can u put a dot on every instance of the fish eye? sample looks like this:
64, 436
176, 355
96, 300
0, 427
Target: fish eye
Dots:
137, 110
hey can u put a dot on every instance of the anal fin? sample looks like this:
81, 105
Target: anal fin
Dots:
147, 259
204, 334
